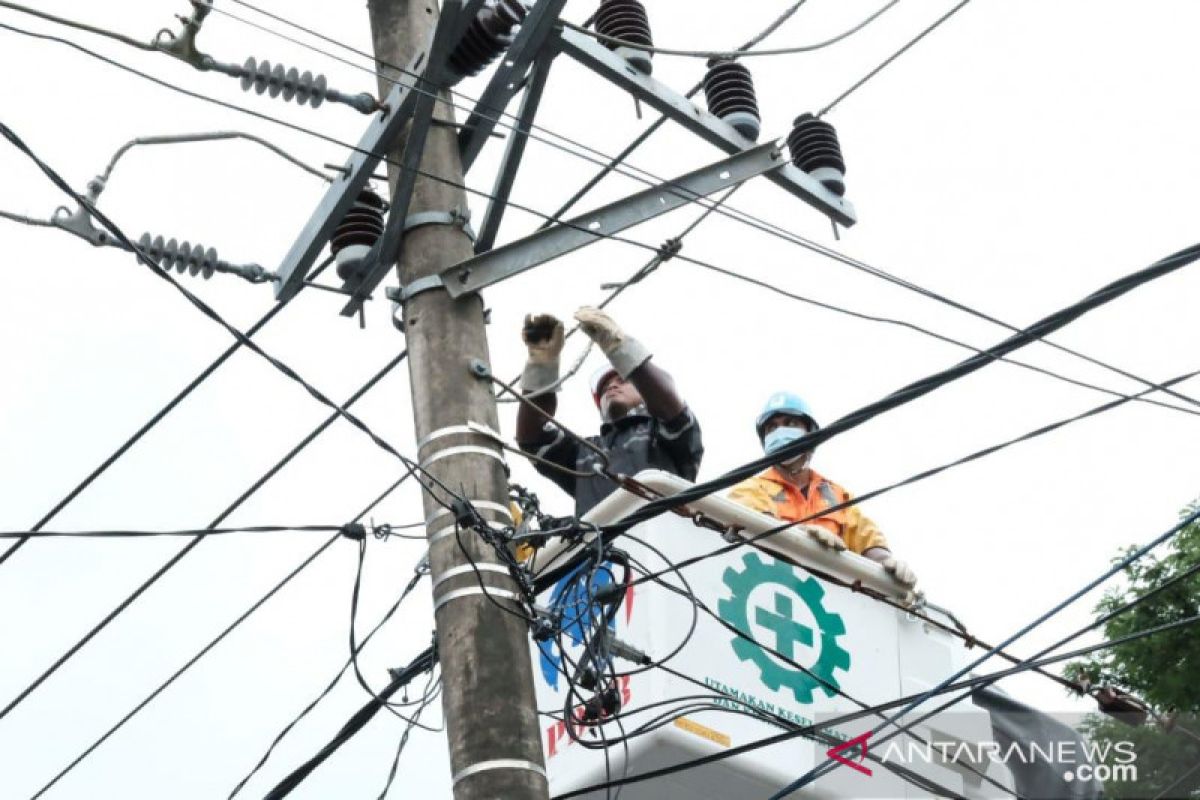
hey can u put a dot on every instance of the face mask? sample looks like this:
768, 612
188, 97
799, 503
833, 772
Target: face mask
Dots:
779, 438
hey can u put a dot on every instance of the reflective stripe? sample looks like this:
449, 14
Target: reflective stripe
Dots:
499, 763
471, 427
464, 569
471, 591
466, 449
478, 504
827, 494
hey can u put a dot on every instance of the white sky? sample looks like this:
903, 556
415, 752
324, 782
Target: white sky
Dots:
1020, 157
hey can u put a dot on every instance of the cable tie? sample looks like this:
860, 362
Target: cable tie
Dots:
355, 531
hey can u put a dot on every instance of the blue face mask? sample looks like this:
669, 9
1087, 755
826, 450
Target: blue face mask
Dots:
779, 438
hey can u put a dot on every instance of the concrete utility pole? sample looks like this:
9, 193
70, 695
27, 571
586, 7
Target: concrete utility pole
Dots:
487, 672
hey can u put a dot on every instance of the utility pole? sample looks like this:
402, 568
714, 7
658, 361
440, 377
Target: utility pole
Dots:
487, 672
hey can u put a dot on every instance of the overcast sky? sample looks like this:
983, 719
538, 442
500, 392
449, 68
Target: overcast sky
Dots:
1023, 155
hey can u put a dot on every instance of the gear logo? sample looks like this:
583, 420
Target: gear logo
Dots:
780, 619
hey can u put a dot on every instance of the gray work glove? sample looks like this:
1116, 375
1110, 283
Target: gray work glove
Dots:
543, 336
901, 571
624, 352
824, 537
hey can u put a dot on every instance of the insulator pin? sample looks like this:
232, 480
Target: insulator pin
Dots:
814, 146
357, 233
729, 91
626, 20
486, 37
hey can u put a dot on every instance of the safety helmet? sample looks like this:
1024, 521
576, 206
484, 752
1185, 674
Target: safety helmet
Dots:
598, 378
784, 403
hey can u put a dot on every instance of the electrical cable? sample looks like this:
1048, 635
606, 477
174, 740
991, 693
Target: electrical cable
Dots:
151, 423
729, 212
380, 531
355, 647
1117, 566
917, 389
212, 314
425, 661
213, 643
24, 220
430, 697
190, 546
978, 454
733, 54
892, 58
417, 575
758, 744
211, 136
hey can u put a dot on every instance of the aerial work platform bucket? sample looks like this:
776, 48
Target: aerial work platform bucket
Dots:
717, 695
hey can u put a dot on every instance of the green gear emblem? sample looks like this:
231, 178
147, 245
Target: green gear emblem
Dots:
780, 621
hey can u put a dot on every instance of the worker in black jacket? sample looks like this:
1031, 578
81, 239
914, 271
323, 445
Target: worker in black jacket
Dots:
646, 424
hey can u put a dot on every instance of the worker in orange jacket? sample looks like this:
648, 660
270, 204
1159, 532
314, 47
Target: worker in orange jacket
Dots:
793, 491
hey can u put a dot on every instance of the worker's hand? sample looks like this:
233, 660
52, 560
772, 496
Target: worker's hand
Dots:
600, 328
543, 336
824, 537
902, 572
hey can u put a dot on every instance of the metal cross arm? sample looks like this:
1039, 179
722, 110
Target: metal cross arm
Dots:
536, 30
386, 251
382, 131
538, 248
675, 106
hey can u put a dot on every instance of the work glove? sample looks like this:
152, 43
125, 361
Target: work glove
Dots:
624, 352
824, 537
543, 336
902, 572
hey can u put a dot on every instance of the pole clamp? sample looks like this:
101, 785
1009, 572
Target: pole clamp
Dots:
456, 217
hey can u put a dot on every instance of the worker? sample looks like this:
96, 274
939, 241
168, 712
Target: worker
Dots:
793, 491
645, 423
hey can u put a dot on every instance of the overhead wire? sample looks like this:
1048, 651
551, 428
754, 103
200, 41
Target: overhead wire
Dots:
937, 23
841, 719
152, 422
731, 213
928, 473
381, 531
1117, 566
214, 642
922, 387
213, 315
740, 52
194, 543
418, 573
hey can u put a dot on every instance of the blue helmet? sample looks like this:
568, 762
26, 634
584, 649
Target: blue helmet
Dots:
784, 403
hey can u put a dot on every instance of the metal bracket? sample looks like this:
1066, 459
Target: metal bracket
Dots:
386, 251
456, 217
524, 254
379, 136
513, 152
530, 42
79, 222
675, 106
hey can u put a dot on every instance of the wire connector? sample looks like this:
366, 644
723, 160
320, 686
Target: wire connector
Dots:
355, 531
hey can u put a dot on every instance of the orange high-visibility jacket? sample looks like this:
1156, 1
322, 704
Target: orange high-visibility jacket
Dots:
769, 493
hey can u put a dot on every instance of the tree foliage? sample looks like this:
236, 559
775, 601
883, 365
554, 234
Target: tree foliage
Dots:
1162, 670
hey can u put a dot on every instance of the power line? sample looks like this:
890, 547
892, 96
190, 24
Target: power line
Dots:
920, 476
381, 531
212, 314
892, 58
856, 715
192, 545
733, 54
418, 573
217, 640
153, 421
1119, 565
919, 388
729, 212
